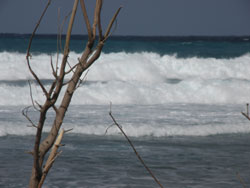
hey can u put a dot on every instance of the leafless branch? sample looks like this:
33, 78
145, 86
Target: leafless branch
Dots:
52, 67
47, 168
111, 24
58, 41
83, 79
36, 27
109, 128
28, 50
25, 114
99, 20
68, 130
31, 97
88, 57
132, 145
72, 68
247, 113
85, 15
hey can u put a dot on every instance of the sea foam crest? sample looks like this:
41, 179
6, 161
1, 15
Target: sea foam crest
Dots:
135, 78
135, 130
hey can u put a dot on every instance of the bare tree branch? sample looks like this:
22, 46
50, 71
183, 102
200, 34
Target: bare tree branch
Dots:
111, 24
25, 114
52, 67
88, 57
28, 50
52, 157
31, 97
132, 145
85, 15
36, 27
82, 80
99, 20
247, 113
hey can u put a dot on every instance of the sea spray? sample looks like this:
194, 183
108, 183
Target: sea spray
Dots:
135, 78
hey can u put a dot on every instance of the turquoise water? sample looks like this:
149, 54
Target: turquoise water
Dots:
178, 98
217, 47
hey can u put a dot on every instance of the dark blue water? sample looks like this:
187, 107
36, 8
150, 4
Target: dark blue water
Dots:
106, 162
218, 47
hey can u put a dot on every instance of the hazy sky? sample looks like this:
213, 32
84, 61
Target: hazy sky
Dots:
138, 17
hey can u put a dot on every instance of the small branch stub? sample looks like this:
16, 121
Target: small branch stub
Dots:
247, 112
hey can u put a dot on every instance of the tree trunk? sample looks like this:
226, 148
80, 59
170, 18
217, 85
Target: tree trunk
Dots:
89, 56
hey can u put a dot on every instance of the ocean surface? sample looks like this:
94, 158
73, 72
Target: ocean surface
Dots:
179, 99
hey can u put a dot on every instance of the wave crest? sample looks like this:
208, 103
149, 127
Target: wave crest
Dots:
135, 78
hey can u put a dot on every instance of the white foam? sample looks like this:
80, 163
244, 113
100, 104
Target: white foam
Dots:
136, 78
136, 120
134, 130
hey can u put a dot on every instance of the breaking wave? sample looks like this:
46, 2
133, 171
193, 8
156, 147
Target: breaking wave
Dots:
135, 78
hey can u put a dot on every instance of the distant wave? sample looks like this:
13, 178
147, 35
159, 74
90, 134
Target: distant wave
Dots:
135, 78
135, 130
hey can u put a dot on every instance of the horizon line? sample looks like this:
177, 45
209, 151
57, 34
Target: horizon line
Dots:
143, 36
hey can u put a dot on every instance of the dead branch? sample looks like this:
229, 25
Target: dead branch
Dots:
52, 157
25, 114
109, 128
36, 27
88, 57
52, 67
81, 81
72, 68
247, 113
111, 24
135, 151
99, 20
85, 15
31, 97
58, 39
29, 47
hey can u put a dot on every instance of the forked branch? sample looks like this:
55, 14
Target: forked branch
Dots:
28, 55
247, 112
89, 55
52, 157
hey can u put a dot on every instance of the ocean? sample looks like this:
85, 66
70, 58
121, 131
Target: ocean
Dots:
179, 99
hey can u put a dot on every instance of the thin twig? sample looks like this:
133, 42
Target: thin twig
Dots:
37, 25
52, 67
99, 21
132, 145
31, 97
246, 114
25, 114
111, 24
109, 128
58, 38
68, 130
83, 79
29, 47
85, 15
72, 68
247, 109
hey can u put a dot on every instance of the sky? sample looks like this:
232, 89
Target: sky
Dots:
138, 17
